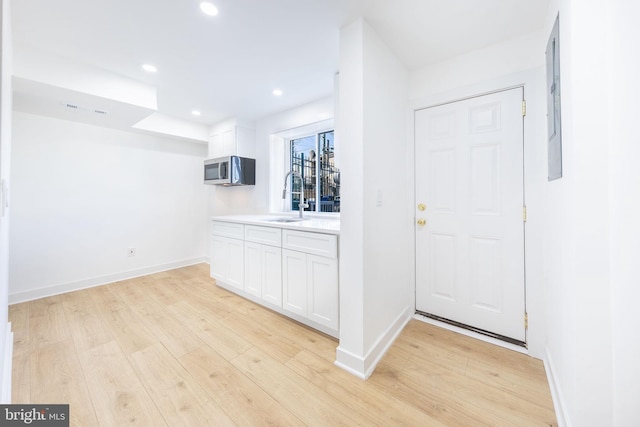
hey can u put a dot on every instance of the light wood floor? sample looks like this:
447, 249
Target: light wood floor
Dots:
174, 349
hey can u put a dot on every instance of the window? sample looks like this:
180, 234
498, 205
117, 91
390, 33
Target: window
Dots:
313, 157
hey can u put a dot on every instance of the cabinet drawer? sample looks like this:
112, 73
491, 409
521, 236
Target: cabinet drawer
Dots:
265, 235
312, 243
227, 229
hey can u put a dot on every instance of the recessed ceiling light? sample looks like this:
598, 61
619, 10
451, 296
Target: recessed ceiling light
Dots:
208, 8
149, 68
195, 112
277, 92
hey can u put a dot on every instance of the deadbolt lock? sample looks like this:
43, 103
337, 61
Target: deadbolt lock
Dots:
422, 207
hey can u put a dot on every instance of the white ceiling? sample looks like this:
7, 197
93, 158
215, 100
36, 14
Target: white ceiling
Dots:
227, 66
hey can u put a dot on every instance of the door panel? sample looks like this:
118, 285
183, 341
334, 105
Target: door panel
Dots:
444, 266
469, 174
484, 268
485, 180
443, 180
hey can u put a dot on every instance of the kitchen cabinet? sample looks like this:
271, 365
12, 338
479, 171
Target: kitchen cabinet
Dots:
309, 280
292, 272
232, 138
227, 253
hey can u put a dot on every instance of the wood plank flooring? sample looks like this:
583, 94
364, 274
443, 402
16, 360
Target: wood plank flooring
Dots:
174, 349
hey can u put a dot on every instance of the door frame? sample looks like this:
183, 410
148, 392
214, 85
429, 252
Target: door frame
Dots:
533, 81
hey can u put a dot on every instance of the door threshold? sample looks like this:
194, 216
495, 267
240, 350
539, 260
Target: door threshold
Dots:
470, 333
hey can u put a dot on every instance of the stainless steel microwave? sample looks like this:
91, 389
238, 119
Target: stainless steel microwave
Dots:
230, 171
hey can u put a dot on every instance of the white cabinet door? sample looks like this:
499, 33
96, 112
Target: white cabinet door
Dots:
232, 140
310, 287
294, 282
229, 142
227, 260
263, 272
235, 275
222, 143
215, 145
253, 268
322, 288
219, 256
272, 274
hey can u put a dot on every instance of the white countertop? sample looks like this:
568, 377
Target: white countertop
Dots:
314, 223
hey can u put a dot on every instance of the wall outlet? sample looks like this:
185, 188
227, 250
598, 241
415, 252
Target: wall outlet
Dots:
131, 252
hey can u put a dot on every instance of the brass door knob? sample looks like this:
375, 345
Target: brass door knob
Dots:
421, 221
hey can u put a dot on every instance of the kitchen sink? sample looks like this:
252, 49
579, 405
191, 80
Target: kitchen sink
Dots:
287, 219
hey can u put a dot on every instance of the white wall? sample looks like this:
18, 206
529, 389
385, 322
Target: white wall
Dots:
351, 352
624, 90
594, 283
375, 240
6, 337
82, 195
388, 225
579, 267
511, 63
502, 59
238, 200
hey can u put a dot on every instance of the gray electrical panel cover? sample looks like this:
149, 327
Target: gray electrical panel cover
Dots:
554, 125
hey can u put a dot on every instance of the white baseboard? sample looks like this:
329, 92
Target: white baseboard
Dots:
97, 281
363, 367
7, 366
556, 391
305, 321
350, 362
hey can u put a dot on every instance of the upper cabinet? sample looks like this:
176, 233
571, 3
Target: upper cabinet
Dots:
232, 138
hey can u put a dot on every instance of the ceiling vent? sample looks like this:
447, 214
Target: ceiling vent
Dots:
76, 107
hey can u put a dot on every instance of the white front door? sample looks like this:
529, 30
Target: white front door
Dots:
469, 192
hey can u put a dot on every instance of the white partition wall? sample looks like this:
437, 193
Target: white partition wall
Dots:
376, 222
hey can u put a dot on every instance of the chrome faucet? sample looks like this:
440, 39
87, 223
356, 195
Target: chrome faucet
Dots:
302, 205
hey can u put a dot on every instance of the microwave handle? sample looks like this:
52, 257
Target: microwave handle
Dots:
223, 172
